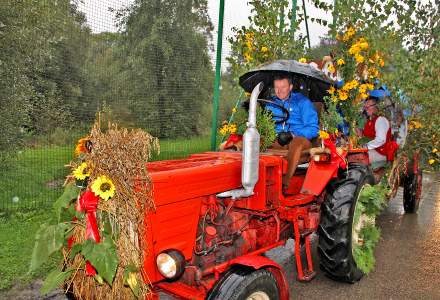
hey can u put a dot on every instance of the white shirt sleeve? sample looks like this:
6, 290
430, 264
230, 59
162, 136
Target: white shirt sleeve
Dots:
382, 126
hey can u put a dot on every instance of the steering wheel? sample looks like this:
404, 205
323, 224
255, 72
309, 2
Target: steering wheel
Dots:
283, 117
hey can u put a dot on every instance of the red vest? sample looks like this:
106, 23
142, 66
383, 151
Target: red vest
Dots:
389, 148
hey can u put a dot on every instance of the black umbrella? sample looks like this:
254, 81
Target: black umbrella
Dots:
307, 79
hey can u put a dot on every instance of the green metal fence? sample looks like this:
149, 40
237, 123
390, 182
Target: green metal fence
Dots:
153, 64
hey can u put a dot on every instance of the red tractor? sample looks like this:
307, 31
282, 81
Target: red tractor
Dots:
217, 213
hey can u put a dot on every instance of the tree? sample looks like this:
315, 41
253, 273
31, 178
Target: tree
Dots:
265, 39
166, 71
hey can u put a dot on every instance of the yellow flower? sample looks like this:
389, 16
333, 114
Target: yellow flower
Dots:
359, 58
81, 172
234, 110
416, 124
132, 281
434, 150
381, 62
323, 135
338, 37
303, 60
343, 95
248, 57
363, 45
341, 62
103, 187
334, 98
354, 49
331, 90
363, 96
431, 161
354, 83
264, 49
373, 72
223, 130
331, 69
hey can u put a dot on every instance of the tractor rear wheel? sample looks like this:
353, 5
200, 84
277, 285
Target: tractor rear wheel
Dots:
412, 190
246, 285
335, 246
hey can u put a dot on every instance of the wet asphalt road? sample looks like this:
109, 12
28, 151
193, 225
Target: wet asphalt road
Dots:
407, 256
407, 259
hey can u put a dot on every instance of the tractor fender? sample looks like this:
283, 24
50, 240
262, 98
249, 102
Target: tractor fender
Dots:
258, 262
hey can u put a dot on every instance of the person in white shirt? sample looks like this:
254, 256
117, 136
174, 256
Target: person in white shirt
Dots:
381, 147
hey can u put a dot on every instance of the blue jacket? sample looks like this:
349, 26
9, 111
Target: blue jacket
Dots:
303, 118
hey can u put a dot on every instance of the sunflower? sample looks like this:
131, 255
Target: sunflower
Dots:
341, 62
103, 187
81, 172
303, 60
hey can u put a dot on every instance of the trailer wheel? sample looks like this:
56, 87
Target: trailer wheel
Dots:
246, 285
336, 228
412, 190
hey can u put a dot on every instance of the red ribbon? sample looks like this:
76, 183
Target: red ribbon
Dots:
328, 143
88, 202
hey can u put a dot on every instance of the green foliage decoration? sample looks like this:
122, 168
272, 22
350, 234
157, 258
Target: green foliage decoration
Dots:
103, 257
55, 278
370, 203
364, 254
265, 126
48, 240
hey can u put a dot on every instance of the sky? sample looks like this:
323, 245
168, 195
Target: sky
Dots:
101, 19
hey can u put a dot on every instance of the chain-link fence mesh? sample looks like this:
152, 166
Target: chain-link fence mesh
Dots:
142, 63
147, 64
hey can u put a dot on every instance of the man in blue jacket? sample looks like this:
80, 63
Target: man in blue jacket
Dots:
301, 126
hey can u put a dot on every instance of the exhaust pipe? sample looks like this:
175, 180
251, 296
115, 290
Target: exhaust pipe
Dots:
251, 151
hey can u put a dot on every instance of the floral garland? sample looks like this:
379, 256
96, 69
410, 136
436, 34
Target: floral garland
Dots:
100, 226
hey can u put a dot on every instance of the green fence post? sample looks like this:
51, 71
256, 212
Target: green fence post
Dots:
217, 75
293, 21
281, 19
307, 23
335, 3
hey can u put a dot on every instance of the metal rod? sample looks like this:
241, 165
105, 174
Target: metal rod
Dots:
218, 63
307, 23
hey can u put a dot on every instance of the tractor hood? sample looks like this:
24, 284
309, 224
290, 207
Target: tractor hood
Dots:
200, 174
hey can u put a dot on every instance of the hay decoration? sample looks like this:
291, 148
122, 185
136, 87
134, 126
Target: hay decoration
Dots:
120, 155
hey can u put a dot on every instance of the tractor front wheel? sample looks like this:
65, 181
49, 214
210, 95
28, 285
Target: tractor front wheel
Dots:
246, 285
337, 229
412, 190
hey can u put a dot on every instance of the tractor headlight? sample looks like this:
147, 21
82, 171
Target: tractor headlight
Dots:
170, 264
